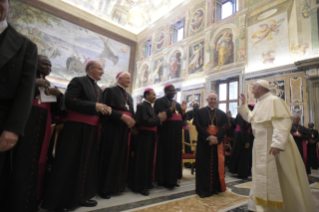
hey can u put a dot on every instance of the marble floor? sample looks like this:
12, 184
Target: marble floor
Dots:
184, 199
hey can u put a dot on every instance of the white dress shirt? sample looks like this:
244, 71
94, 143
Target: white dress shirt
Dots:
3, 25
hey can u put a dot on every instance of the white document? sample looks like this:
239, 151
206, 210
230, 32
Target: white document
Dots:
47, 98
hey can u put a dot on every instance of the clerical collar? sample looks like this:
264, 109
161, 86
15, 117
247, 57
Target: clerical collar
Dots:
92, 80
148, 102
121, 86
264, 96
3, 25
211, 108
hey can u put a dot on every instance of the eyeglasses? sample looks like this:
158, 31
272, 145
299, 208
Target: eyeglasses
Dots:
100, 69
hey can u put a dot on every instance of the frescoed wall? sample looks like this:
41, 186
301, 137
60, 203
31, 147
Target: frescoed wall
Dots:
69, 46
268, 43
291, 88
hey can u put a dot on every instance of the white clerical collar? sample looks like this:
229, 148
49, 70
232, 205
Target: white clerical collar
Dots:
148, 102
92, 79
211, 108
3, 25
264, 96
121, 86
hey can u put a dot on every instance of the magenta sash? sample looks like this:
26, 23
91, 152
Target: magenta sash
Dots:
304, 149
175, 117
45, 144
185, 127
148, 128
83, 118
238, 128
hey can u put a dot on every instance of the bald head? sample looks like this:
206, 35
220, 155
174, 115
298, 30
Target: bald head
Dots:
296, 119
212, 99
94, 70
311, 125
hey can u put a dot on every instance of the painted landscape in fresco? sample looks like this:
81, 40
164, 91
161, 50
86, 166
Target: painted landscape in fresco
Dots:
268, 43
69, 46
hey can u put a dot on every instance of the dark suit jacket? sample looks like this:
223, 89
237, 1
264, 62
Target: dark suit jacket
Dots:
18, 65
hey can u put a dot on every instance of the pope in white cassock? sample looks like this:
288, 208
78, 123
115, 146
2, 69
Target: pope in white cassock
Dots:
279, 179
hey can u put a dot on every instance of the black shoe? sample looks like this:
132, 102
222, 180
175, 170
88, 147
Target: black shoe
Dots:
61, 210
105, 195
176, 185
144, 192
216, 192
202, 196
89, 203
151, 186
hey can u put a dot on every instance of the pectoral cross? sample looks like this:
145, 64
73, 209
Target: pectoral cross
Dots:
212, 126
176, 111
127, 106
39, 100
297, 133
312, 136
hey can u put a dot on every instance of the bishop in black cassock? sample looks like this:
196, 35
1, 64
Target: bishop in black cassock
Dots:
145, 144
301, 137
115, 138
32, 151
169, 148
18, 65
313, 153
241, 157
73, 179
211, 124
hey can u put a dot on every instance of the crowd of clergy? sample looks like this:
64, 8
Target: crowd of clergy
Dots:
105, 146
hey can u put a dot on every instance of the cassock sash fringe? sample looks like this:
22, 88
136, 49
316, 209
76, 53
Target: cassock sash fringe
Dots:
269, 203
220, 156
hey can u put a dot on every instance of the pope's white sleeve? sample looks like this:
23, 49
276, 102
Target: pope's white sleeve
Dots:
281, 132
245, 112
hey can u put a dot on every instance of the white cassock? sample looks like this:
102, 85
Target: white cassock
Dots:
279, 183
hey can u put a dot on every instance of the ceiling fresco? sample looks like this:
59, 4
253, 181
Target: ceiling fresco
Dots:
131, 15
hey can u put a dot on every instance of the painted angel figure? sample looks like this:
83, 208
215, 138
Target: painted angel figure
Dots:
196, 59
268, 28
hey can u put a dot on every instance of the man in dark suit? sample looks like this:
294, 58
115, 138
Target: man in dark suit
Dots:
18, 62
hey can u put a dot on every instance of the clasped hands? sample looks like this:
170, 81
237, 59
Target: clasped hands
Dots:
212, 140
183, 106
40, 82
103, 108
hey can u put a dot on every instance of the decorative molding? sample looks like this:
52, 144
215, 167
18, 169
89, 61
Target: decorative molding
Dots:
174, 13
275, 70
306, 64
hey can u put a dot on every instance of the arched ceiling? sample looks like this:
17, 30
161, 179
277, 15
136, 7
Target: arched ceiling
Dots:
131, 15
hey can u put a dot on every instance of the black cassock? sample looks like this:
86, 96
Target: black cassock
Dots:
169, 148
313, 153
30, 160
241, 157
73, 177
115, 141
144, 147
209, 170
301, 143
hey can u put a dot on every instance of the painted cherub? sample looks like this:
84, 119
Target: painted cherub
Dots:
269, 27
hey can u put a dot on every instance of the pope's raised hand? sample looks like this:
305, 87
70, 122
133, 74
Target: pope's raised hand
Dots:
242, 99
